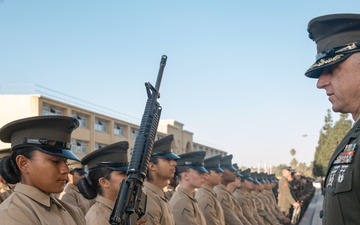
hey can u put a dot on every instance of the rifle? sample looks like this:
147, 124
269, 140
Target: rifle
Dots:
296, 215
129, 196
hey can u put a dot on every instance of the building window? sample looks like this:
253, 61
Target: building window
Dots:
99, 145
134, 133
78, 146
119, 129
51, 110
100, 125
81, 117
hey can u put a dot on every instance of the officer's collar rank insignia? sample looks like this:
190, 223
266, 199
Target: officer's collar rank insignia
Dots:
347, 155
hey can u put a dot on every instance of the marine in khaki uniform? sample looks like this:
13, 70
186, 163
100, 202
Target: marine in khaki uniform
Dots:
71, 193
206, 197
225, 197
5, 189
264, 198
169, 189
267, 192
190, 172
247, 186
243, 196
107, 168
40, 149
161, 168
285, 199
232, 186
259, 205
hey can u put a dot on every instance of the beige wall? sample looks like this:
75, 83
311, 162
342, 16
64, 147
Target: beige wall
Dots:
21, 106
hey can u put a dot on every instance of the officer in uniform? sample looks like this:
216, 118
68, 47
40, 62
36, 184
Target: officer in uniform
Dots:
224, 195
285, 198
206, 197
40, 149
107, 168
71, 193
190, 172
5, 188
337, 68
161, 168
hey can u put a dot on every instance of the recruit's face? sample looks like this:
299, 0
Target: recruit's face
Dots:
76, 177
341, 83
214, 177
237, 182
248, 184
45, 172
116, 177
165, 168
229, 175
195, 178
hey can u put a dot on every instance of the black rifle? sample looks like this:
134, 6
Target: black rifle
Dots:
129, 197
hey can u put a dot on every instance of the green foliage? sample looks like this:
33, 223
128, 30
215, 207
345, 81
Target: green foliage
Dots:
292, 152
330, 136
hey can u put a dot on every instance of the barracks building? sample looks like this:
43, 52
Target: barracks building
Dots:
98, 126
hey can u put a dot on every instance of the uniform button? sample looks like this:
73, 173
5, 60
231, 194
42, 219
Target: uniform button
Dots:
321, 214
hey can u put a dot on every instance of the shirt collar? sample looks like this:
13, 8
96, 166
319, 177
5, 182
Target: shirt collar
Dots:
155, 189
38, 196
107, 202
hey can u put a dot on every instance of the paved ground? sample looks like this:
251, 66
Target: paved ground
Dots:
311, 216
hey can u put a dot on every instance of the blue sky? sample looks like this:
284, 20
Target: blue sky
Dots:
234, 76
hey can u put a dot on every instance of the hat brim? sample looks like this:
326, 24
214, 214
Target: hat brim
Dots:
231, 168
248, 179
216, 169
239, 175
255, 181
119, 168
169, 155
199, 168
315, 69
80, 171
59, 152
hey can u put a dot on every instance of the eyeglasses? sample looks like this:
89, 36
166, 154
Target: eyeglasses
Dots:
333, 51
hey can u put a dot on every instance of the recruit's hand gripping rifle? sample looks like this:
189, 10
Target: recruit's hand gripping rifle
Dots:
129, 196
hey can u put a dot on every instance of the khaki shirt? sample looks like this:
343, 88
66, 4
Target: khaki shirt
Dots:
158, 209
261, 209
185, 208
258, 218
246, 205
285, 198
3, 187
29, 205
72, 196
210, 206
169, 191
267, 207
5, 194
228, 204
273, 206
99, 213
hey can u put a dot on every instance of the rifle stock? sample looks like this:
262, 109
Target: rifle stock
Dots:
130, 193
